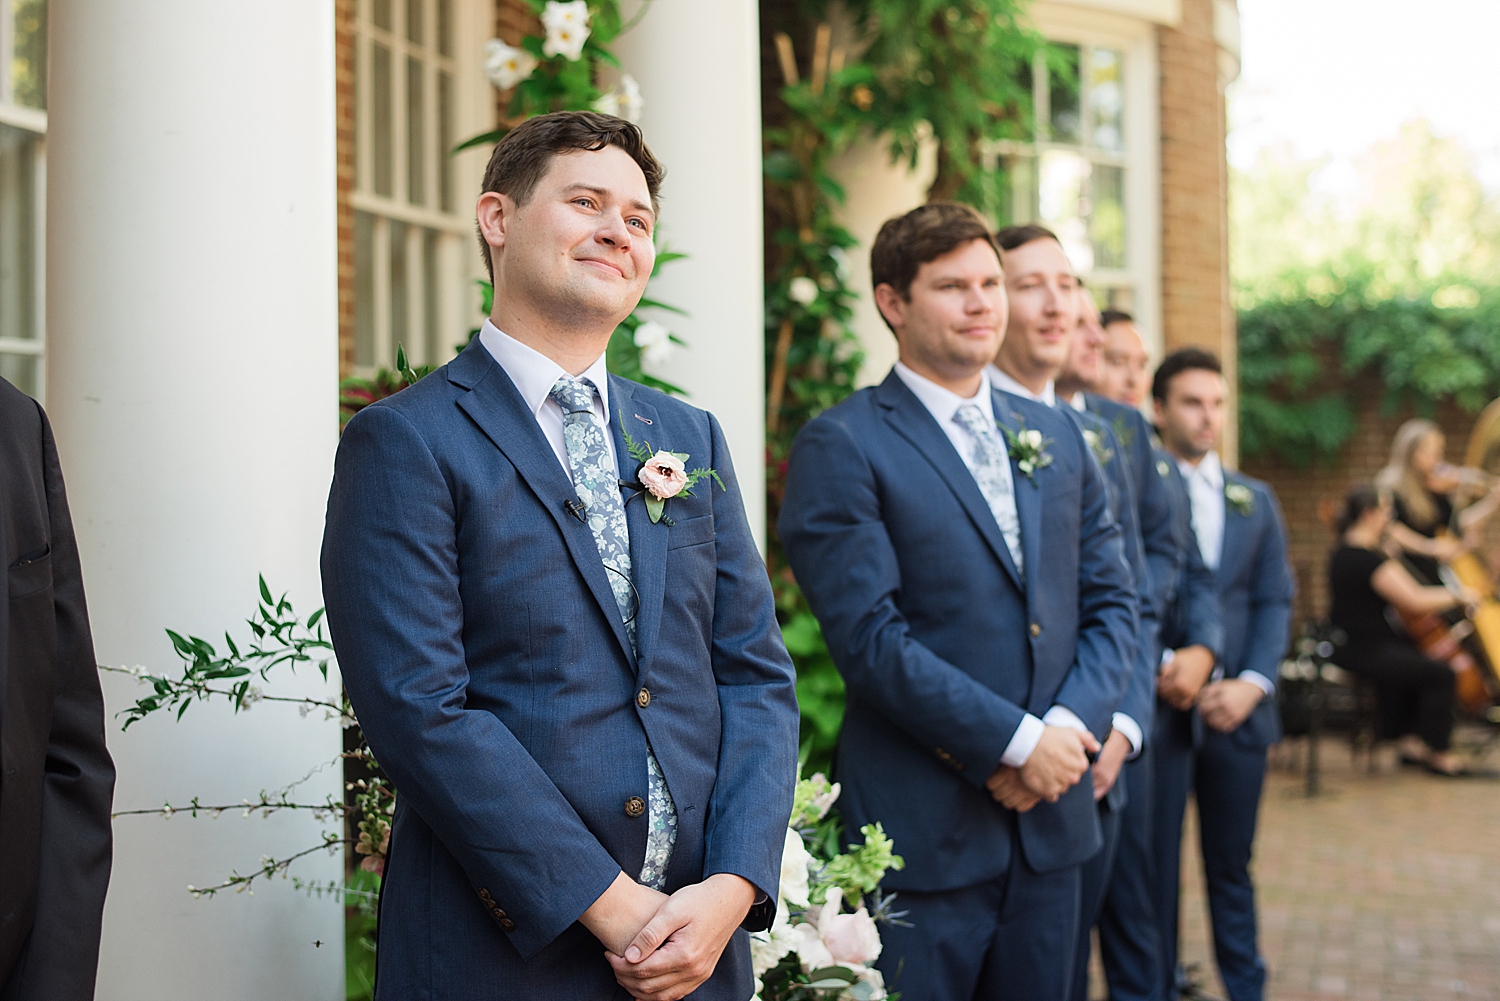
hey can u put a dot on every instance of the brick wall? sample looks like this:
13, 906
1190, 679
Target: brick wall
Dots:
343, 16
1301, 491
1196, 304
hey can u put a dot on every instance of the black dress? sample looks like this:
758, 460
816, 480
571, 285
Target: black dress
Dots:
1415, 693
1426, 567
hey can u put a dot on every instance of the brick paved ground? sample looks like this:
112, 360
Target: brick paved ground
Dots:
1385, 888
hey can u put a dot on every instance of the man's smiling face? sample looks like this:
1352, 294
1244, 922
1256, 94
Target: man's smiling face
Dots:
580, 247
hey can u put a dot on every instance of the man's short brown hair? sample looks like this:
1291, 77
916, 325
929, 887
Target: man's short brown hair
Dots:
924, 234
521, 159
1012, 237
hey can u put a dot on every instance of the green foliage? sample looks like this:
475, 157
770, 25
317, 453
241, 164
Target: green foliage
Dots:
1302, 349
860, 871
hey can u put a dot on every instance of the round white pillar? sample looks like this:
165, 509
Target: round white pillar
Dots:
876, 189
192, 365
698, 64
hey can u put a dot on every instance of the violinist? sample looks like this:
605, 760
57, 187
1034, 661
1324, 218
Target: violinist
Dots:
1425, 491
1415, 694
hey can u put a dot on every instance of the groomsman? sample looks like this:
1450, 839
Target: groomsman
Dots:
979, 665
1128, 925
588, 709
1242, 539
1036, 363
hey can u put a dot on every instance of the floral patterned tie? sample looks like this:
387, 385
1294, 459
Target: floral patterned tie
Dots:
598, 484
990, 465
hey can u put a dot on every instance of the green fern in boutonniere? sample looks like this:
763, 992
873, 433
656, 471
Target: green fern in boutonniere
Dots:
1101, 451
1123, 431
1028, 448
1239, 497
663, 475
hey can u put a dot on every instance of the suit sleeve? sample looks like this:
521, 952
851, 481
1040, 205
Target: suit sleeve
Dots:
1270, 597
391, 584
1155, 508
752, 798
1107, 609
62, 954
1139, 698
837, 544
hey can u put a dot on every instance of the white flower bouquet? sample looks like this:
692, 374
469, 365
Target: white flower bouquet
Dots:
816, 949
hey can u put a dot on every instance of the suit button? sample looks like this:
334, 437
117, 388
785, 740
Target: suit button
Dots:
643, 698
1036, 629
635, 806
507, 924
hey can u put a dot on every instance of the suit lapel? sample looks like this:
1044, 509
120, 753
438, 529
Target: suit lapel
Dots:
648, 542
494, 403
1028, 493
1236, 534
912, 421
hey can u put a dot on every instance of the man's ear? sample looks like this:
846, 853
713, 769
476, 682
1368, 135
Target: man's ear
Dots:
494, 213
1158, 413
891, 305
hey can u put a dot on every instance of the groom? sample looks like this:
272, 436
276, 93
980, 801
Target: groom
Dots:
583, 699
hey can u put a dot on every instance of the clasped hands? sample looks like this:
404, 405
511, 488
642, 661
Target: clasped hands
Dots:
663, 947
1223, 705
1057, 763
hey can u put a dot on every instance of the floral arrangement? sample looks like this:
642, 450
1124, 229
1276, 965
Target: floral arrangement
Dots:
1240, 497
1029, 449
816, 948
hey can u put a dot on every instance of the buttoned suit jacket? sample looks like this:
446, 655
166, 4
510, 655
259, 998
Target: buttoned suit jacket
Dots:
488, 663
942, 650
1256, 588
56, 777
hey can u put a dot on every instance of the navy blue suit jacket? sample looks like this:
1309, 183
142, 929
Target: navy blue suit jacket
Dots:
1194, 616
1138, 699
942, 650
1255, 588
487, 661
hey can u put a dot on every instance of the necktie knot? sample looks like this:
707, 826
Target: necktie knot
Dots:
573, 395
972, 418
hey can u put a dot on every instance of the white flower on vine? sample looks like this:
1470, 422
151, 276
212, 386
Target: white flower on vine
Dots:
803, 290
623, 102
506, 65
655, 342
567, 27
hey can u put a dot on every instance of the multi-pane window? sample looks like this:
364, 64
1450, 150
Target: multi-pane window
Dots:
409, 233
1071, 175
23, 131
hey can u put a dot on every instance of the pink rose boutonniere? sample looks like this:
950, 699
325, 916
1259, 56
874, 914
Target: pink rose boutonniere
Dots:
663, 475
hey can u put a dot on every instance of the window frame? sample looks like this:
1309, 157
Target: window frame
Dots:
33, 120
1141, 160
472, 110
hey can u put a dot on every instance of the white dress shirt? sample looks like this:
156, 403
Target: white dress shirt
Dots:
1059, 715
1002, 381
942, 404
534, 375
1205, 483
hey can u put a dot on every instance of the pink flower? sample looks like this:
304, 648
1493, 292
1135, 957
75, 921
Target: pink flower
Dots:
664, 475
850, 938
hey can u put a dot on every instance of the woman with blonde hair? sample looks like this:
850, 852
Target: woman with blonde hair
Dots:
1424, 490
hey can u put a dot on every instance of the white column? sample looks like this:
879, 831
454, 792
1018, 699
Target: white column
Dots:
698, 64
192, 341
876, 189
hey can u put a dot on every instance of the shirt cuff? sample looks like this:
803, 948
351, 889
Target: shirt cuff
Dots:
1259, 681
1063, 716
1167, 656
1132, 731
1026, 737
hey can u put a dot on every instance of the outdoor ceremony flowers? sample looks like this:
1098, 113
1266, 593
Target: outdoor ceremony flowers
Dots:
567, 27
654, 340
815, 948
624, 101
507, 65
